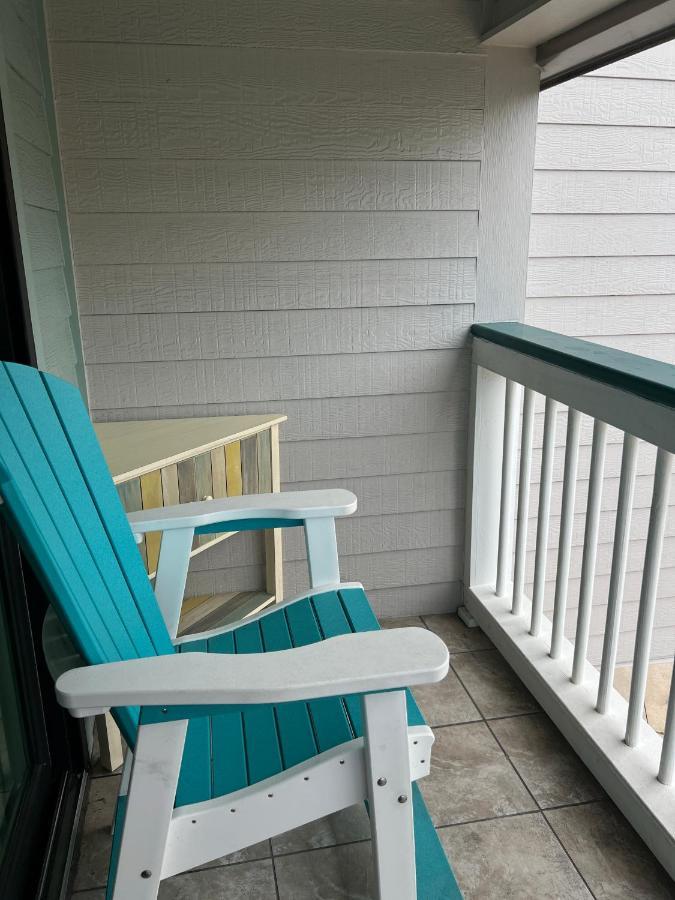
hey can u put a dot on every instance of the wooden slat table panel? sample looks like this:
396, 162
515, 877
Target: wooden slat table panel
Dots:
151, 497
233, 468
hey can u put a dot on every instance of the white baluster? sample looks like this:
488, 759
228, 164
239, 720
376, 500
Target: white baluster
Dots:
545, 482
566, 523
523, 501
590, 549
505, 550
667, 767
618, 577
650, 582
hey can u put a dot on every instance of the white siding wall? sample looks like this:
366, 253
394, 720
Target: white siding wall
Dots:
28, 113
275, 206
602, 267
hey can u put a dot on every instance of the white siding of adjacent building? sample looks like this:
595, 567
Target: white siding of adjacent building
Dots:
602, 267
275, 207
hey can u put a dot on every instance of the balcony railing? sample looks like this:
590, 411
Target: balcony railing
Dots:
636, 395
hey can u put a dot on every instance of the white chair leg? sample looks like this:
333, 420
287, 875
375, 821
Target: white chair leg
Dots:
389, 794
152, 791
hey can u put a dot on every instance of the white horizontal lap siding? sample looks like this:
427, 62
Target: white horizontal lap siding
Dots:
587, 316
210, 287
277, 378
598, 275
621, 193
189, 185
275, 207
271, 237
602, 235
266, 76
331, 417
364, 535
183, 336
602, 267
384, 570
380, 24
220, 130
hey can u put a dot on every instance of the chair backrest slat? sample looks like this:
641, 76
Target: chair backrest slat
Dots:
59, 496
94, 470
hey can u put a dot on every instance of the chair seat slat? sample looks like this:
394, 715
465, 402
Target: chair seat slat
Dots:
296, 736
333, 622
329, 717
194, 781
362, 618
229, 772
260, 730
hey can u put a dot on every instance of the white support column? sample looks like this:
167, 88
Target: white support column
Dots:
172, 570
389, 794
506, 506
523, 501
590, 549
566, 523
152, 791
650, 583
486, 425
545, 483
617, 579
322, 554
667, 767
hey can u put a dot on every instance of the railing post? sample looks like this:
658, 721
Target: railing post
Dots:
508, 493
523, 502
667, 766
650, 583
543, 513
486, 429
587, 586
566, 524
624, 512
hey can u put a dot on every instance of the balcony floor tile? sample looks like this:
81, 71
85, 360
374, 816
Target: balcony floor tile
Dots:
492, 685
613, 860
544, 760
344, 872
446, 702
516, 857
456, 635
343, 827
471, 778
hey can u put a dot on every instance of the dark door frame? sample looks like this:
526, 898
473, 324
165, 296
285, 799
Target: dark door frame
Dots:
39, 853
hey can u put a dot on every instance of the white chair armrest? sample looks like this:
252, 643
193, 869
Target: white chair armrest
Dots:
348, 664
286, 505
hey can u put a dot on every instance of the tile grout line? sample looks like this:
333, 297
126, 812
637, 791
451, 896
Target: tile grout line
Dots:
576, 868
274, 869
538, 809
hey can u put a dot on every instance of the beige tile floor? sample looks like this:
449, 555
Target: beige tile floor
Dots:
518, 814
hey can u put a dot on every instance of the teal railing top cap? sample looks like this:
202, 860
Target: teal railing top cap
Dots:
639, 375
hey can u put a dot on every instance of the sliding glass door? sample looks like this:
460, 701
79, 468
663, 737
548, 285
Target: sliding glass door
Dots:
41, 748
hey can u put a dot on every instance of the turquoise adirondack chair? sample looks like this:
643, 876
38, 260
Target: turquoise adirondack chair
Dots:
239, 733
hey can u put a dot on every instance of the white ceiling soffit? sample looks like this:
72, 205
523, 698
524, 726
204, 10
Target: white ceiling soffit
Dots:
618, 32
518, 23
574, 36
